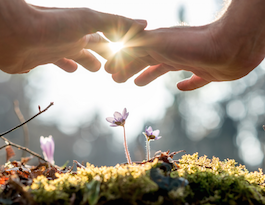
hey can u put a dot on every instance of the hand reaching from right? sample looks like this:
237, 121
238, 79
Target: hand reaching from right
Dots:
225, 50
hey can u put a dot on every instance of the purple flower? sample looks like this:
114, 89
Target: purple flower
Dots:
118, 119
151, 135
47, 146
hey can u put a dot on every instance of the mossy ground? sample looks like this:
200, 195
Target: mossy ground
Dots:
211, 181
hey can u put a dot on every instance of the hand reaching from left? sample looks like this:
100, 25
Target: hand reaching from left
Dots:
32, 36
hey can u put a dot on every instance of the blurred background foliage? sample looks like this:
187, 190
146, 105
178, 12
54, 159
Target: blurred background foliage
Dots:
222, 119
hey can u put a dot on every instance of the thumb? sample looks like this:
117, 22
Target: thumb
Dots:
77, 22
192, 83
113, 26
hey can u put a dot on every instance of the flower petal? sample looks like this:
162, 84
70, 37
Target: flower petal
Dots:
117, 116
156, 133
42, 140
157, 138
43, 145
110, 119
50, 148
149, 131
125, 114
47, 146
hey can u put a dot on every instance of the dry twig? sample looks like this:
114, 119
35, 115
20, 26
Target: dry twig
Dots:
25, 127
8, 142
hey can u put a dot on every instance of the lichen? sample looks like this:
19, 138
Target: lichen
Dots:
211, 181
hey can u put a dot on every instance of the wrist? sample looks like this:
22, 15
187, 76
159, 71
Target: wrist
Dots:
240, 32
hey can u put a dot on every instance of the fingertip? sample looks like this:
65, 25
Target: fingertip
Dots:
92, 68
110, 67
181, 86
142, 23
192, 83
107, 67
88, 61
67, 65
71, 70
119, 78
139, 83
97, 68
187, 85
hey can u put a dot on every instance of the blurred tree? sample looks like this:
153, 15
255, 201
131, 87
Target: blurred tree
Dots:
222, 119
92, 143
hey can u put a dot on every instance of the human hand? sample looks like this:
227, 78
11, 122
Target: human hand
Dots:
32, 36
222, 51
174, 49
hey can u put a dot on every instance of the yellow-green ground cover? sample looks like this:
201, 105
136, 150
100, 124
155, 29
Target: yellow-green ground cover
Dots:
210, 181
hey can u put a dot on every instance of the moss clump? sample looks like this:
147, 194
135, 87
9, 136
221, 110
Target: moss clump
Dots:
128, 183
211, 181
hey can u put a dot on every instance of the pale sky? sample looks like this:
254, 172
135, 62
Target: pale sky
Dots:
77, 96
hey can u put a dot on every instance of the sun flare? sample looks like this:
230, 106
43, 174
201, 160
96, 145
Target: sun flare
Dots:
116, 46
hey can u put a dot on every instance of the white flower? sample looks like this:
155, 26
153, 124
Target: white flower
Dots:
47, 146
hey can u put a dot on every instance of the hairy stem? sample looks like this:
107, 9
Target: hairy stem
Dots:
126, 148
147, 149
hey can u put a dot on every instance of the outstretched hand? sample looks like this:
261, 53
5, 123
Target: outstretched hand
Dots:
225, 50
32, 36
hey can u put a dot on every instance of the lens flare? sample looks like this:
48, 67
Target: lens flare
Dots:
116, 46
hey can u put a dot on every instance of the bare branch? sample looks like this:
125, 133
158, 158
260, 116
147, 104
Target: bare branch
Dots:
41, 111
8, 142
4, 146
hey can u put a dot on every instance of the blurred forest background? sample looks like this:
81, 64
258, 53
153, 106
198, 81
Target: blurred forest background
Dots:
222, 120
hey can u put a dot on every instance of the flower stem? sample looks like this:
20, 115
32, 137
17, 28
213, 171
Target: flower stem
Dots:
147, 149
126, 148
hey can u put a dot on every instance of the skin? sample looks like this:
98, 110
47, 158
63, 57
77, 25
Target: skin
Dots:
32, 36
225, 50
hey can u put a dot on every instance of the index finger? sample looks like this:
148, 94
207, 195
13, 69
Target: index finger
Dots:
151, 74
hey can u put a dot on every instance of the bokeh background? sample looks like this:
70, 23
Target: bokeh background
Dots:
221, 119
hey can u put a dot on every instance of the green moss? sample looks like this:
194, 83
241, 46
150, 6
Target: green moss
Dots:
211, 181
126, 182
216, 182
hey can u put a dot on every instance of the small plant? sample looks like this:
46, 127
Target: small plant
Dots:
119, 120
150, 135
8, 143
157, 180
47, 146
